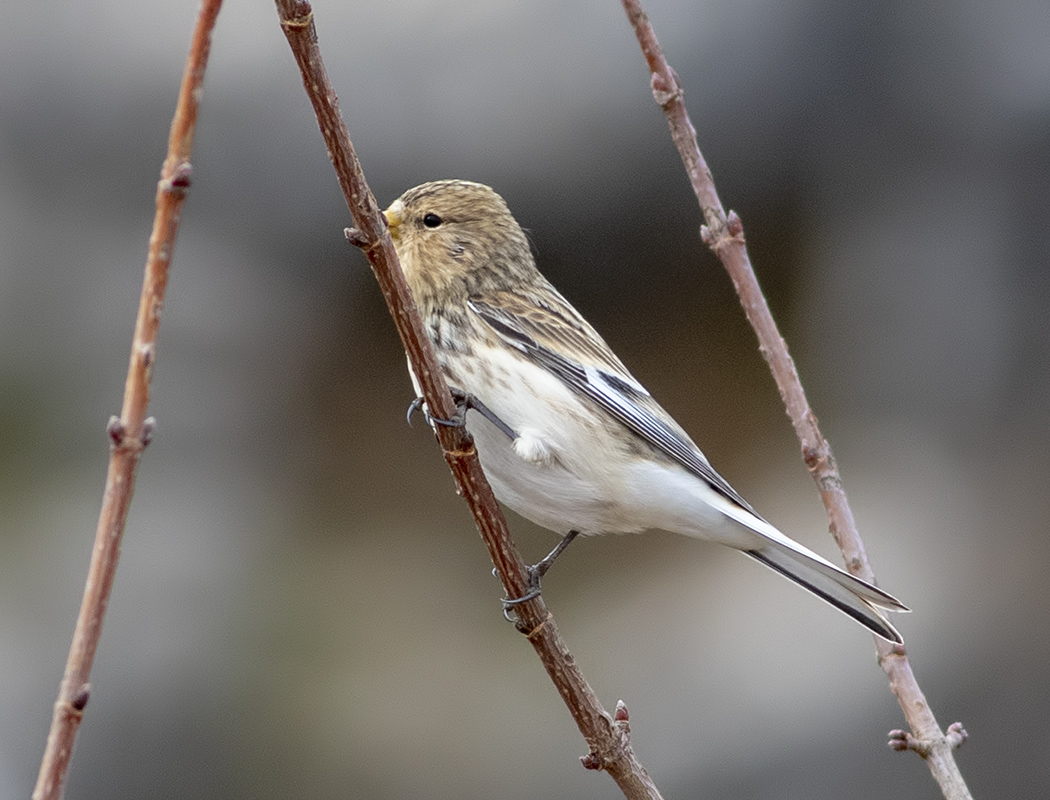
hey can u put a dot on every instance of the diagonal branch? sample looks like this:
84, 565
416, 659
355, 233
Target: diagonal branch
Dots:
606, 736
725, 236
129, 434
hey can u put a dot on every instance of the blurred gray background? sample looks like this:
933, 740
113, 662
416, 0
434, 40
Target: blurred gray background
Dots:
304, 608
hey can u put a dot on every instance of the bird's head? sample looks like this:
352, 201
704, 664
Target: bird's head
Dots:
458, 237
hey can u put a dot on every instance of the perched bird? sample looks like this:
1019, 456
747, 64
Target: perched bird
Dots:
567, 436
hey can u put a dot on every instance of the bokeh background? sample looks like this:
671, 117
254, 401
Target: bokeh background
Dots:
303, 607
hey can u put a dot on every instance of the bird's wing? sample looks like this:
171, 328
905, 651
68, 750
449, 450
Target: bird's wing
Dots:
555, 337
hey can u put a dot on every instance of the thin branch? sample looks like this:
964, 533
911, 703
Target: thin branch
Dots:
900, 741
129, 434
725, 236
607, 737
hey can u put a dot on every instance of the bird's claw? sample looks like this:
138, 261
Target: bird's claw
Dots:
464, 401
413, 407
531, 593
535, 575
458, 420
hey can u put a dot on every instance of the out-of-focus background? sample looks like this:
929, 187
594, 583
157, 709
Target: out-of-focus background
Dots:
303, 607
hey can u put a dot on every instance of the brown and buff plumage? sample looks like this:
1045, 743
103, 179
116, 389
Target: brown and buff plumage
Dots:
572, 440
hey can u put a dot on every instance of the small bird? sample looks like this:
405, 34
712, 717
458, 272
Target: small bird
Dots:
566, 435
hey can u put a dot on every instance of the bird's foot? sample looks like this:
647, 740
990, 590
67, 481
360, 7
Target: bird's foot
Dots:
464, 401
458, 419
536, 573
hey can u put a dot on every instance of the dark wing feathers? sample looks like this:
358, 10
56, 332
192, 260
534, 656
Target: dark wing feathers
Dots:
556, 325
546, 333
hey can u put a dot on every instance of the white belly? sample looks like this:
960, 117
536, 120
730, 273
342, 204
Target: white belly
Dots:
570, 467
545, 491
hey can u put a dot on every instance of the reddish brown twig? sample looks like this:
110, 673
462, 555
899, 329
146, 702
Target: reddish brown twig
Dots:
607, 737
129, 434
724, 234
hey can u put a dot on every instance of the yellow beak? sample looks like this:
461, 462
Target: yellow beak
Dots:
394, 217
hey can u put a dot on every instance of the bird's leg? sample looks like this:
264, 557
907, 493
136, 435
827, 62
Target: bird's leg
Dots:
464, 401
537, 571
540, 569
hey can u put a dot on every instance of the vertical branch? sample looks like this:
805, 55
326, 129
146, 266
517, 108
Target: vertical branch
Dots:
725, 236
606, 736
130, 433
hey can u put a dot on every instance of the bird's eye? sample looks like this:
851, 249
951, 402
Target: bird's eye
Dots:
431, 220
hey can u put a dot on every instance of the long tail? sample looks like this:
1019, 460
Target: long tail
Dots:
852, 596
